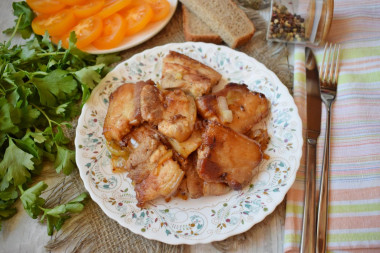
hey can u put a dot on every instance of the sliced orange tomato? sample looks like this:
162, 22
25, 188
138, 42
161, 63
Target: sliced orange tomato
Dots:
113, 6
161, 9
89, 9
55, 39
86, 31
74, 2
45, 6
56, 24
113, 32
137, 18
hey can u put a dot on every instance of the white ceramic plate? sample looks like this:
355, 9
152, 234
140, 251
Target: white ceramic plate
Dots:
134, 40
195, 220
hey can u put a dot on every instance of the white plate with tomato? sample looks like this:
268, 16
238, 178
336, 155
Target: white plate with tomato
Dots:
102, 26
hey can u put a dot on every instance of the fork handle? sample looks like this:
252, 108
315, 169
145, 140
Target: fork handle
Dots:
309, 211
322, 216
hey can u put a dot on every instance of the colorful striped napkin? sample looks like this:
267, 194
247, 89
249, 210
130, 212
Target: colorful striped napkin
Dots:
354, 213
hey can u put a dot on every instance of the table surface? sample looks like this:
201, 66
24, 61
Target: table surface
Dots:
266, 236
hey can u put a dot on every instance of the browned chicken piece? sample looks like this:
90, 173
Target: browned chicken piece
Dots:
215, 189
179, 116
234, 106
173, 112
150, 165
152, 104
197, 187
194, 182
162, 182
143, 143
123, 111
188, 146
226, 156
181, 71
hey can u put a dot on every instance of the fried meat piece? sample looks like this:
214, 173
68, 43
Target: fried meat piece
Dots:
193, 181
152, 104
123, 111
143, 144
215, 189
179, 115
247, 107
162, 182
173, 112
150, 165
188, 146
226, 156
181, 71
196, 186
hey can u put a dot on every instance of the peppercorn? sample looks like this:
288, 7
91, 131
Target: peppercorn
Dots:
285, 25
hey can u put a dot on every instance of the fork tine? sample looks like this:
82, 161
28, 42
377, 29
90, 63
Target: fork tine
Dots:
327, 69
322, 68
336, 66
332, 66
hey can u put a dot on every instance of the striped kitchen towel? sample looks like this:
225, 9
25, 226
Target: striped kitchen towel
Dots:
354, 206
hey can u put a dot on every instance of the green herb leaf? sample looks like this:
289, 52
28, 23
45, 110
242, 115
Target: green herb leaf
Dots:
42, 87
90, 75
6, 109
9, 194
54, 87
24, 28
15, 165
65, 160
58, 215
31, 199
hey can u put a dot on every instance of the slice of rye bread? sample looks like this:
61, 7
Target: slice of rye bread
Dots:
225, 18
196, 30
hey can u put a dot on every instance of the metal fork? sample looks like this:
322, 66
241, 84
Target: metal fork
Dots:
328, 76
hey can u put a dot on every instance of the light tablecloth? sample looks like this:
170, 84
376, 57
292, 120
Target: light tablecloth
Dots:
354, 195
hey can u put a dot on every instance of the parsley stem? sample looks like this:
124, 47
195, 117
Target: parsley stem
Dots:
46, 116
14, 31
52, 53
20, 188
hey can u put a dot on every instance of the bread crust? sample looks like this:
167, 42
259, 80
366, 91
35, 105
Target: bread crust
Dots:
191, 36
206, 11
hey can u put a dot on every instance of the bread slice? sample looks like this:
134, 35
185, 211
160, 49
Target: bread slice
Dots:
196, 30
225, 18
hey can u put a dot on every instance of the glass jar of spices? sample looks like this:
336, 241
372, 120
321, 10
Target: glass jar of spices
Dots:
302, 21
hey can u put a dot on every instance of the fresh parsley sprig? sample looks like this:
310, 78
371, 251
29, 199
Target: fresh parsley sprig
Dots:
42, 89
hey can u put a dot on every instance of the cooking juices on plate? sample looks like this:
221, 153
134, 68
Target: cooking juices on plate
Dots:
101, 23
179, 137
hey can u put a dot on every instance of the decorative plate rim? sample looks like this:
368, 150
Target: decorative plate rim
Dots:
271, 206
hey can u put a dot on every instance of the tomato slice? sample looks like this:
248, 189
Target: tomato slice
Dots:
113, 6
45, 6
137, 18
56, 24
113, 32
161, 9
74, 2
89, 9
86, 31
55, 39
